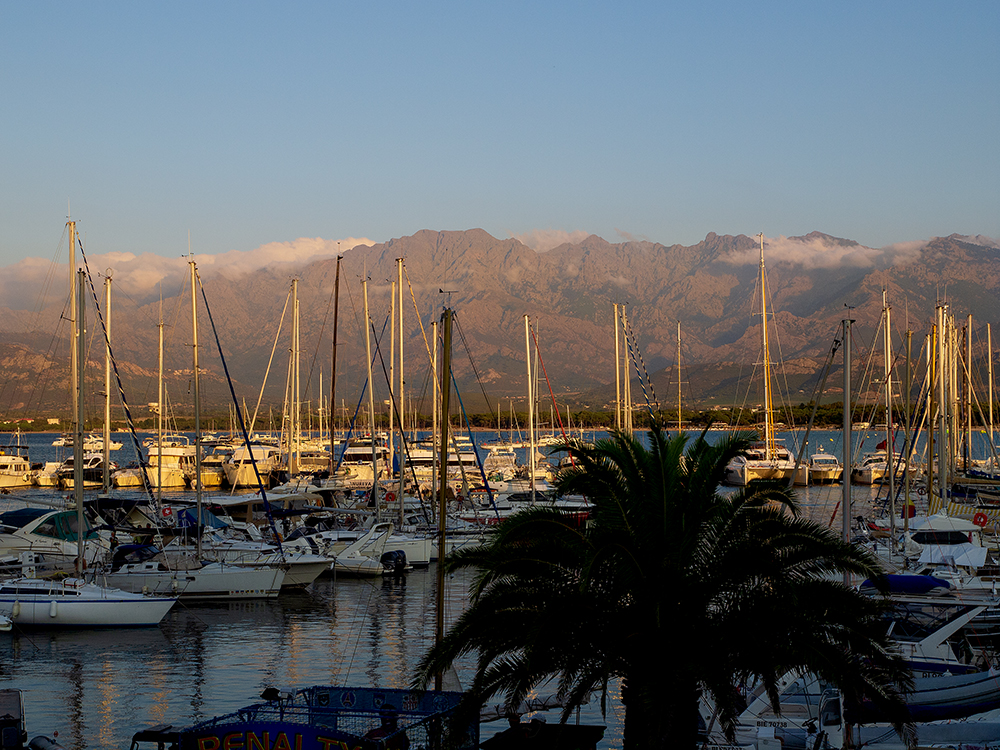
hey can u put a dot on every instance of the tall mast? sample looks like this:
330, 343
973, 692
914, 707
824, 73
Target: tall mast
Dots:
78, 418
435, 459
295, 416
968, 393
769, 446
197, 401
74, 355
846, 497
943, 403
679, 418
908, 443
402, 401
531, 410
371, 399
333, 370
618, 376
106, 477
890, 438
627, 406
392, 371
989, 367
159, 416
442, 494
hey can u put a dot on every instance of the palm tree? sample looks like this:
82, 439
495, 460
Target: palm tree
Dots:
677, 589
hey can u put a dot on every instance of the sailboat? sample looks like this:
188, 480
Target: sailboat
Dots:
767, 459
74, 602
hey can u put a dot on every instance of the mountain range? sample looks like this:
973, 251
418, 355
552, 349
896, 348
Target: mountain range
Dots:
711, 289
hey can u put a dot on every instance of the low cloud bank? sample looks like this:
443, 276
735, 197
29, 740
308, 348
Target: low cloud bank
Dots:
34, 282
543, 240
828, 252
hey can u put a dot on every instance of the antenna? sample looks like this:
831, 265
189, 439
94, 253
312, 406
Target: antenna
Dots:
449, 292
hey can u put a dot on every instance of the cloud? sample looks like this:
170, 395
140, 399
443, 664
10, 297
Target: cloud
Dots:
35, 282
543, 240
820, 251
629, 237
980, 239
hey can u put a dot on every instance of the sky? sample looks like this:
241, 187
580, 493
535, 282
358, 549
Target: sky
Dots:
257, 125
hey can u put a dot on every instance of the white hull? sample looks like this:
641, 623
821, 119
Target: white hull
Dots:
169, 477
73, 603
212, 582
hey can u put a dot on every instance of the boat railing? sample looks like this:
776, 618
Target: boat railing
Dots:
335, 722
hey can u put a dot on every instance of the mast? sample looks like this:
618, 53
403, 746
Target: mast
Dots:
890, 438
333, 370
846, 485
618, 376
531, 410
297, 435
74, 355
197, 402
295, 425
989, 367
442, 494
679, 419
106, 483
159, 416
371, 400
434, 413
78, 418
942, 376
392, 372
627, 406
769, 446
909, 436
968, 393
402, 401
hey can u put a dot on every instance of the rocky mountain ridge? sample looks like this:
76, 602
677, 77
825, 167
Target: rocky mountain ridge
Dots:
568, 292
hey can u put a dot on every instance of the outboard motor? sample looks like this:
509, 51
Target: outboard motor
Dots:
394, 562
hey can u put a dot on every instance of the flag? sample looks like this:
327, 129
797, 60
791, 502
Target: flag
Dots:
881, 446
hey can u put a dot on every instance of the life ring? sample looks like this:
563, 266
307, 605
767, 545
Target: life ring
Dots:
390, 497
980, 519
167, 511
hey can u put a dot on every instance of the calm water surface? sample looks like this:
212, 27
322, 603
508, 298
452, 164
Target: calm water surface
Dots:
97, 687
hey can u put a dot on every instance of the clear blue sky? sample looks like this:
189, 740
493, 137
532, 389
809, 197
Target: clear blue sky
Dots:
248, 122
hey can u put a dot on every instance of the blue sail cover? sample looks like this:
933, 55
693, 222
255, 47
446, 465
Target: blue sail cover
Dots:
186, 519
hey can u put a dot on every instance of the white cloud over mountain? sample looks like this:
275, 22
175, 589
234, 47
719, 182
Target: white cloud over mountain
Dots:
543, 240
819, 251
34, 282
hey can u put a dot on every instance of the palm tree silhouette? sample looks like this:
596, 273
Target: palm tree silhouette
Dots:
679, 590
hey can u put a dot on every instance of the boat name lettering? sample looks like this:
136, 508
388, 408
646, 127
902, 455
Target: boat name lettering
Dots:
255, 741
775, 724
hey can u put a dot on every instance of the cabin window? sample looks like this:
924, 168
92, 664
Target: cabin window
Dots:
941, 537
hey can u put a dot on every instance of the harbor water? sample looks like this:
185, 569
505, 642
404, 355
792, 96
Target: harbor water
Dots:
97, 687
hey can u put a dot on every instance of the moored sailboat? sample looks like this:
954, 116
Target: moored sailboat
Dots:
767, 459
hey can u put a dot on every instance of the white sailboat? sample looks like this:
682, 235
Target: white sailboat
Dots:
73, 602
767, 459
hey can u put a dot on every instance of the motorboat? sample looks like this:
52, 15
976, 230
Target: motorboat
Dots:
825, 468
760, 462
171, 464
874, 467
93, 471
240, 466
95, 442
330, 717
15, 468
51, 533
73, 602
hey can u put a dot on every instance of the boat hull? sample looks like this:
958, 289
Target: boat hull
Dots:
32, 602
